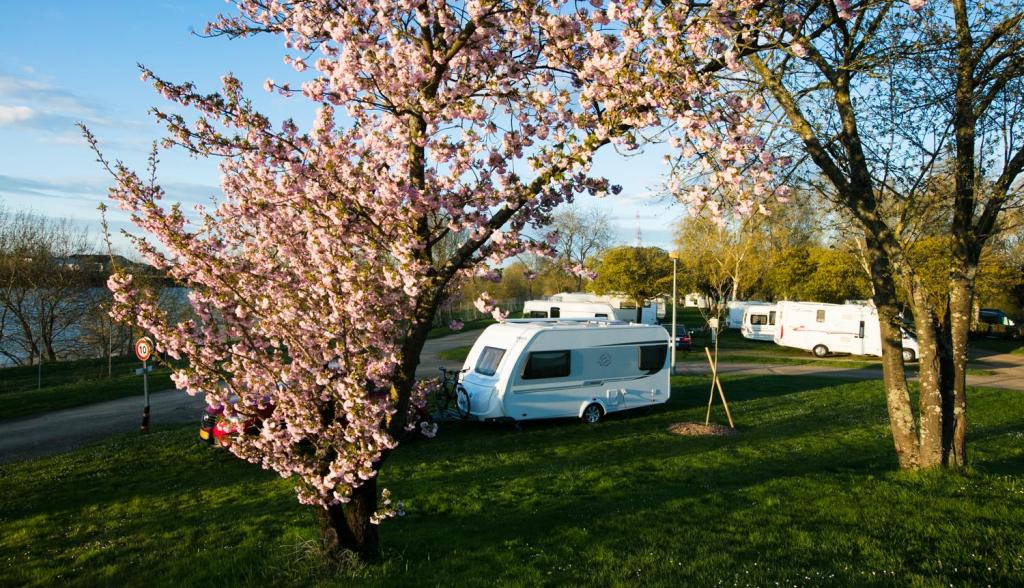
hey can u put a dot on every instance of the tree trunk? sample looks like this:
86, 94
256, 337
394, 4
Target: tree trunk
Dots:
930, 434
961, 300
347, 528
894, 377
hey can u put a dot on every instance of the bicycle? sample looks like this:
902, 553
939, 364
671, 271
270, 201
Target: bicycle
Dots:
452, 392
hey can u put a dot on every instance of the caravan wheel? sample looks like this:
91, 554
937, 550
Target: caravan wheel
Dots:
592, 413
820, 351
462, 403
908, 355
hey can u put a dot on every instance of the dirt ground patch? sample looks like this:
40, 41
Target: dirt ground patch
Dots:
701, 430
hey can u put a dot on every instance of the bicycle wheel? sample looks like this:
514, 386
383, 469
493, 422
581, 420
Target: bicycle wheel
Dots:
462, 402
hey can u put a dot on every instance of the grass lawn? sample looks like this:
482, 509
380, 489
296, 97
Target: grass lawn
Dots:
473, 325
807, 493
455, 353
72, 383
999, 345
22, 378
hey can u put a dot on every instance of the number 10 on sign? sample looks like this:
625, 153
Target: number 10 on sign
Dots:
143, 350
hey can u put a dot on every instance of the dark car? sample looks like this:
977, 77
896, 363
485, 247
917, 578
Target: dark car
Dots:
993, 322
684, 340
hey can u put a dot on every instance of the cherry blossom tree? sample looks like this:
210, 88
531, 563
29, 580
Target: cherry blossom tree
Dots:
316, 278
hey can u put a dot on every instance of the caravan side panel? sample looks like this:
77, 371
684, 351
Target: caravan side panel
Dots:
607, 372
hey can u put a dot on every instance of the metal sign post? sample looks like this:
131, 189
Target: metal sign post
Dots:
143, 349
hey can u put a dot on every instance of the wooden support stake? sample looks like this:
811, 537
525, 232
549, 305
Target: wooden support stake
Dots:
714, 377
724, 403
715, 382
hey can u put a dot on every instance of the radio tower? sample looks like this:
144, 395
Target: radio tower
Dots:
639, 238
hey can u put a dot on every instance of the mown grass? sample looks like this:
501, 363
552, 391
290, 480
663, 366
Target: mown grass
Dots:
72, 383
999, 345
23, 378
455, 353
473, 325
36, 402
807, 493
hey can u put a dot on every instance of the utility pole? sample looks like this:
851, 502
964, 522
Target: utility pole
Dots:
675, 258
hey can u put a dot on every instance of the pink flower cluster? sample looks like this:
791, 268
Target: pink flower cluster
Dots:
443, 131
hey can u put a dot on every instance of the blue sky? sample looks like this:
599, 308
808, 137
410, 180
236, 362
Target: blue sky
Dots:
68, 61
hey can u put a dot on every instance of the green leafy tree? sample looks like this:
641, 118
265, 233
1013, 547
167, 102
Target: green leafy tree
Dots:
641, 273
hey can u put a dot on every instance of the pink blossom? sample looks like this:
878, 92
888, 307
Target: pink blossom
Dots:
324, 223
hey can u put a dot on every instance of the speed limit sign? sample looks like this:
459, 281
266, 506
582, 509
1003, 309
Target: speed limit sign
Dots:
143, 348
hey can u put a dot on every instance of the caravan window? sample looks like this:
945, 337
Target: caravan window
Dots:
652, 357
600, 315
759, 319
537, 314
771, 318
490, 357
547, 364
820, 316
556, 312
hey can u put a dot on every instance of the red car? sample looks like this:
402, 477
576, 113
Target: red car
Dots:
214, 427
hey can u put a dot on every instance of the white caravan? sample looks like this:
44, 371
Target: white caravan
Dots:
572, 307
759, 322
735, 310
834, 328
542, 369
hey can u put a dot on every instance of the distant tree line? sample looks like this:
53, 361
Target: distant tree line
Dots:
54, 304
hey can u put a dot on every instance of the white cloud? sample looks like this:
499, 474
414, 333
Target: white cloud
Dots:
53, 108
10, 115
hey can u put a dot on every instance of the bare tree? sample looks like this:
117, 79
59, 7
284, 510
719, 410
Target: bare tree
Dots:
44, 290
582, 236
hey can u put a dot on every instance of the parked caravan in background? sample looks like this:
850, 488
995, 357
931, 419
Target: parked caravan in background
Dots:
834, 328
540, 369
735, 310
584, 305
759, 322
696, 300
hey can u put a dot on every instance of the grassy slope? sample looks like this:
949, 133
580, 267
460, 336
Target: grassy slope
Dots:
473, 325
806, 494
35, 402
24, 378
455, 353
72, 383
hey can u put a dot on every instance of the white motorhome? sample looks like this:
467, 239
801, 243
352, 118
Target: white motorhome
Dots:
735, 310
834, 328
540, 369
696, 300
582, 305
759, 322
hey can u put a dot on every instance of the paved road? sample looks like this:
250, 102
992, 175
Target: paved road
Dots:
67, 429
